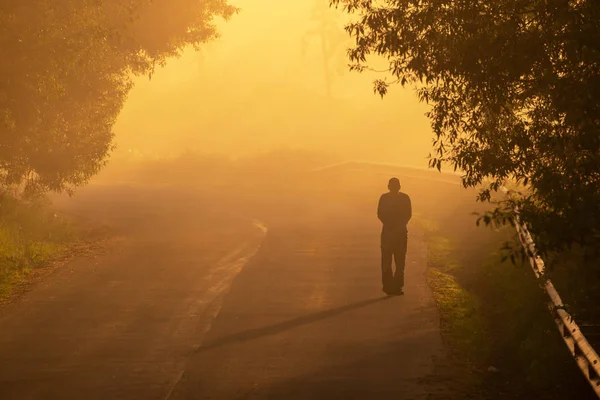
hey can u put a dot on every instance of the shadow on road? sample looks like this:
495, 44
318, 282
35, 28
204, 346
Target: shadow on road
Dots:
290, 324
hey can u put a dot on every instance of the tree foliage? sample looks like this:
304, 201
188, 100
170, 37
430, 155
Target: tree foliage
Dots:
514, 89
65, 71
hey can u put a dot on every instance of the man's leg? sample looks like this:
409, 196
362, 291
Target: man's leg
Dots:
387, 276
400, 247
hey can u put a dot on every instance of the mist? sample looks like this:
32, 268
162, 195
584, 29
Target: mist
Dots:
265, 86
199, 203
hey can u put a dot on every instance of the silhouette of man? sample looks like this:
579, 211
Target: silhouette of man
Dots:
394, 211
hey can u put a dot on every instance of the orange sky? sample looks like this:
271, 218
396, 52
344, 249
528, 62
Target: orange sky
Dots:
261, 87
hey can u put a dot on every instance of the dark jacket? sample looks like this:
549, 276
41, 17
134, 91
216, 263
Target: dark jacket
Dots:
394, 210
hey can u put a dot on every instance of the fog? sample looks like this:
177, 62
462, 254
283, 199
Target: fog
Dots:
264, 86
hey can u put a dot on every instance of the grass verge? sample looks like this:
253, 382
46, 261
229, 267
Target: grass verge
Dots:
462, 323
31, 236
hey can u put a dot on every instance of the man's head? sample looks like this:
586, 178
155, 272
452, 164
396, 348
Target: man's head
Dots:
394, 185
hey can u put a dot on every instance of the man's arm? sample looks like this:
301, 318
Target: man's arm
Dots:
380, 212
409, 209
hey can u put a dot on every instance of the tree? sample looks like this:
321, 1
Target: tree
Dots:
65, 71
327, 29
514, 88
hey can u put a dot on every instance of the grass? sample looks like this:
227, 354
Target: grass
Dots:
462, 324
30, 237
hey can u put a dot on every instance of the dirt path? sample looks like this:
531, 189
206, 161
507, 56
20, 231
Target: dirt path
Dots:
304, 319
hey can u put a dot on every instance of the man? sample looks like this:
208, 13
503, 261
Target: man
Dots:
394, 211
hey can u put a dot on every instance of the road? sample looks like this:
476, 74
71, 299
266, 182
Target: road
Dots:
197, 300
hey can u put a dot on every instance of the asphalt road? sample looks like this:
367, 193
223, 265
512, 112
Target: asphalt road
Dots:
196, 300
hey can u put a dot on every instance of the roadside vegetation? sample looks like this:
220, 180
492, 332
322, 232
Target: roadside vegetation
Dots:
494, 316
31, 236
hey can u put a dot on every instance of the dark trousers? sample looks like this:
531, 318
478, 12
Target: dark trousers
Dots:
393, 246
